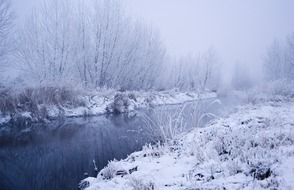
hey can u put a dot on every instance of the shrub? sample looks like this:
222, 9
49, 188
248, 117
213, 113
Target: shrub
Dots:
7, 101
35, 100
281, 87
139, 184
121, 103
109, 171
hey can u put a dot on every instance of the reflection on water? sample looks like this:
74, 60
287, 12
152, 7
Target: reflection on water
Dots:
58, 158
57, 155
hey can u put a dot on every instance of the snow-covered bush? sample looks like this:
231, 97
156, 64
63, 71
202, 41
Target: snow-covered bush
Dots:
275, 90
154, 150
140, 184
282, 87
35, 100
200, 111
166, 125
7, 102
110, 170
170, 125
242, 151
250, 148
122, 103
234, 167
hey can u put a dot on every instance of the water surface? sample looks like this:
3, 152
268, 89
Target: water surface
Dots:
58, 155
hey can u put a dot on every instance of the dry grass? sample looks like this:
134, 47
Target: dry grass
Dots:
35, 100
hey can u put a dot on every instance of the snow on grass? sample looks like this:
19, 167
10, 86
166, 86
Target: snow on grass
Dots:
4, 119
287, 171
250, 149
111, 101
120, 102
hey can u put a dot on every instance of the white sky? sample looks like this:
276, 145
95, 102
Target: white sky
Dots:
239, 30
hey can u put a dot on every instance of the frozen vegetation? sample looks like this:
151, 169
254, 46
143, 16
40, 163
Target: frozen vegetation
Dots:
60, 75
51, 103
250, 149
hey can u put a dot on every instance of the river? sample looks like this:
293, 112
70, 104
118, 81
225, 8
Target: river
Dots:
57, 155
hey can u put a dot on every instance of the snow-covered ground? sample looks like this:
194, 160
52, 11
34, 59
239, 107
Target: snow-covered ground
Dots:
250, 149
111, 101
128, 101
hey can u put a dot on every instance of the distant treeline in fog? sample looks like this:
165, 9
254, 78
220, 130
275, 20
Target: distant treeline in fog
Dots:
96, 44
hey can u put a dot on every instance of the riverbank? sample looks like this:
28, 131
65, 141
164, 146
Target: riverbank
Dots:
55, 103
253, 148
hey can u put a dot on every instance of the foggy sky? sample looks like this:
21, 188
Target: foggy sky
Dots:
239, 30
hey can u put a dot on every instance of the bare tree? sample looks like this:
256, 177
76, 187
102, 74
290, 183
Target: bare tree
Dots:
46, 42
97, 46
6, 21
82, 43
192, 72
279, 61
126, 53
275, 62
209, 67
108, 23
290, 56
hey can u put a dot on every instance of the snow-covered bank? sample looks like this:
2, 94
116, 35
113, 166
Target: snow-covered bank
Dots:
108, 101
252, 148
120, 102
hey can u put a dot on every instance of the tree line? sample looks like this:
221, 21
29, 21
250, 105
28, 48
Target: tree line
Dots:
96, 44
279, 60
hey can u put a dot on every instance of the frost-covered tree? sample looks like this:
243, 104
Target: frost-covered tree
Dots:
192, 72
91, 42
275, 61
279, 61
45, 46
82, 43
6, 21
126, 53
209, 72
290, 56
140, 64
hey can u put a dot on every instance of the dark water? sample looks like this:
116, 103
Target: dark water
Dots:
57, 155
57, 158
